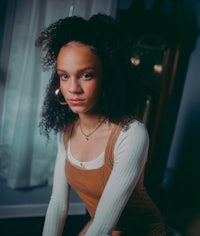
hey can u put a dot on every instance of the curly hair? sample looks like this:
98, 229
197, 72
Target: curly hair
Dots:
120, 88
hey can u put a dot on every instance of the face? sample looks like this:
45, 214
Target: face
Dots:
80, 73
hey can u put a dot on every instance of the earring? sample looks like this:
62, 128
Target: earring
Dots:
59, 96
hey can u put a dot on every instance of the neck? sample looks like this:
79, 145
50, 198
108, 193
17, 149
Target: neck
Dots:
89, 125
89, 122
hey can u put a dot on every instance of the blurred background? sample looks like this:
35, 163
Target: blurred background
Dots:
164, 43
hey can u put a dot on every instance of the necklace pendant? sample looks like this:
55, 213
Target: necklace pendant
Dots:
82, 165
88, 135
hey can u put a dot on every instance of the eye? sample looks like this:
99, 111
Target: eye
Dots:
63, 76
87, 75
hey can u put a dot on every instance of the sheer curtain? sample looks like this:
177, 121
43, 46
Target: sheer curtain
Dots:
26, 159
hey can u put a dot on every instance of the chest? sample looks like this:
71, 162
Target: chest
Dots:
88, 150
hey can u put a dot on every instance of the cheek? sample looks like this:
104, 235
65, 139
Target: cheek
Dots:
63, 89
94, 91
63, 85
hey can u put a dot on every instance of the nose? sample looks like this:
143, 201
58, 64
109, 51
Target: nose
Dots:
74, 86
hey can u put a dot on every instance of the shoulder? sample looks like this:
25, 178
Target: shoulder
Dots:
63, 136
60, 142
134, 133
60, 136
133, 128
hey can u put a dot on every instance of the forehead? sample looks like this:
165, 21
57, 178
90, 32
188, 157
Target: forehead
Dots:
79, 46
77, 53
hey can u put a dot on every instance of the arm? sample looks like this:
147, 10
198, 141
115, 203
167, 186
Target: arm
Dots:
129, 159
58, 205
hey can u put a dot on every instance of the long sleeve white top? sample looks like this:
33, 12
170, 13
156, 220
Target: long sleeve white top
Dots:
130, 154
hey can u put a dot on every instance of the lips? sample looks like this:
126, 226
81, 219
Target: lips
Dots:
75, 101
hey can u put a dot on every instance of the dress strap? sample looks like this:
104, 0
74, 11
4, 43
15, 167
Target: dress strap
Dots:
109, 151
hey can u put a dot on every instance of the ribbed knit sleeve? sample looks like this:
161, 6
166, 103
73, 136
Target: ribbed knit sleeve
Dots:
130, 156
58, 205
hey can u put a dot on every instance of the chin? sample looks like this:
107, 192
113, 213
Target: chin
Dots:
82, 109
78, 110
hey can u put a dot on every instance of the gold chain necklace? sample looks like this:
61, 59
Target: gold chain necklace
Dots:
88, 135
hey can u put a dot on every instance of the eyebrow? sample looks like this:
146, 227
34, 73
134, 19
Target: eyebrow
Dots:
79, 71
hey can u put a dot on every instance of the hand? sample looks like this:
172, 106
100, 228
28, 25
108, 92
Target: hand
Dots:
116, 233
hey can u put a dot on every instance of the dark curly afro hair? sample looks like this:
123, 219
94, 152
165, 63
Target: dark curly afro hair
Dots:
120, 87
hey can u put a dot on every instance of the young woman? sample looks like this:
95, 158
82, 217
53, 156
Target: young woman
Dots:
102, 148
